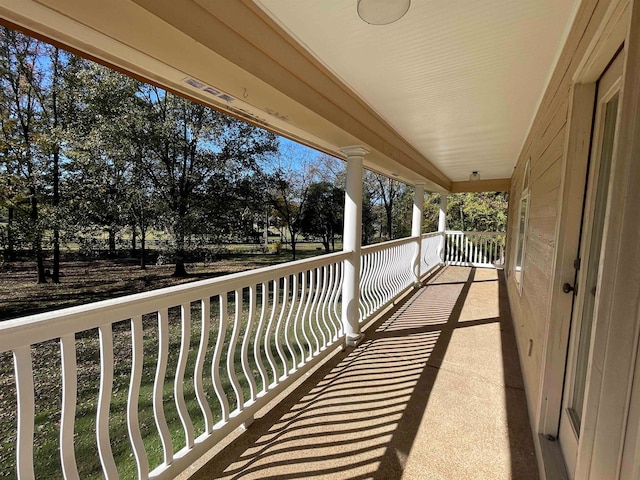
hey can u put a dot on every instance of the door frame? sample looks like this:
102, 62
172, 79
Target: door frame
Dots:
608, 86
615, 341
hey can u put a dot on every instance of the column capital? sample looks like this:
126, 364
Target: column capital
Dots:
354, 151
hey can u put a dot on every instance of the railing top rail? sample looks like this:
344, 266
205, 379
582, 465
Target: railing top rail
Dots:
391, 243
461, 232
41, 327
431, 234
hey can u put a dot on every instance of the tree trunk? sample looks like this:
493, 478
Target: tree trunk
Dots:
37, 238
10, 253
266, 231
333, 243
390, 221
293, 244
133, 239
180, 270
143, 251
112, 242
55, 276
325, 244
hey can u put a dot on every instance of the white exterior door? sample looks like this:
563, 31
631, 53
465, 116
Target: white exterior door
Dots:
585, 288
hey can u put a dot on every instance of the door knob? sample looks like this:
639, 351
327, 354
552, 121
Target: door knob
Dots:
566, 288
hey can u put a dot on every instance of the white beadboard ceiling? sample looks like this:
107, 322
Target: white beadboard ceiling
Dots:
459, 79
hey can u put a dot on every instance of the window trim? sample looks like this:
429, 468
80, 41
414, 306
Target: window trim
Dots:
524, 199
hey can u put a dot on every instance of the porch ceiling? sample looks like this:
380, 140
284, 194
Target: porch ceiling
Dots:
450, 88
459, 80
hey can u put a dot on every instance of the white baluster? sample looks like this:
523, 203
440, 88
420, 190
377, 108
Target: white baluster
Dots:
321, 312
365, 270
281, 317
297, 324
494, 250
329, 301
133, 425
337, 299
26, 412
267, 336
287, 326
307, 294
258, 340
313, 285
198, 373
365, 283
380, 276
104, 401
158, 386
231, 369
178, 386
246, 368
68, 414
217, 358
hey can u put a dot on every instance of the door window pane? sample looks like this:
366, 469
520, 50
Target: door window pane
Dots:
591, 277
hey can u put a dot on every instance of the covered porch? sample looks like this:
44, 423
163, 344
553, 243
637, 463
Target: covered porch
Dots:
506, 90
153, 381
433, 391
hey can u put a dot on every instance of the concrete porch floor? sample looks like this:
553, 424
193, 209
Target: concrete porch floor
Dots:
433, 392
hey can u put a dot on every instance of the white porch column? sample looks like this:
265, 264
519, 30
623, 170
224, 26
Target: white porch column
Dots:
416, 228
351, 242
442, 222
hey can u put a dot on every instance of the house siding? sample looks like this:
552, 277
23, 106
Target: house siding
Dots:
545, 151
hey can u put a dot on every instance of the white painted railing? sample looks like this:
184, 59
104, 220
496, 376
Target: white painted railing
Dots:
385, 272
203, 357
386, 269
254, 333
431, 252
475, 249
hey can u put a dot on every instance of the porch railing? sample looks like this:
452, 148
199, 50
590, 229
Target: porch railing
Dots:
385, 271
200, 359
258, 331
431, 252
474, 249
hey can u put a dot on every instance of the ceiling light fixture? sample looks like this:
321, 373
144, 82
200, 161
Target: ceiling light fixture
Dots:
474, 177
382, 12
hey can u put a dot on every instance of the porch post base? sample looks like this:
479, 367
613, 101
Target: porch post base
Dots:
353, 340
247, 423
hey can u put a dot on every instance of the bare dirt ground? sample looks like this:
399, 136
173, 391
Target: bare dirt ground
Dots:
91, 280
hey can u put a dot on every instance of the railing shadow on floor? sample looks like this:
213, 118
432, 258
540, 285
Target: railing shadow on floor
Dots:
358, 415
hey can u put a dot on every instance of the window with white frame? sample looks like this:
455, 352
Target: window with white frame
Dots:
523, 220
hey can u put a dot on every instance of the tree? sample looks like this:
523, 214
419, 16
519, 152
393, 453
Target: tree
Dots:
482, 212
324, 213
369, 218
390, 203
22, 84
105, 143
402, 211
189, 145
431, 213
142, 211
60, 111
288, 197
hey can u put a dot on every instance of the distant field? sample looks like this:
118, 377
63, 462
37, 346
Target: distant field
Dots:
91, 280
